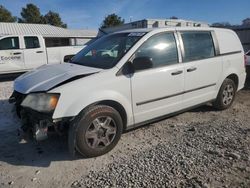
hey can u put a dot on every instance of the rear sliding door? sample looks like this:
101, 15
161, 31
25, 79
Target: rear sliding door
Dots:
202, 68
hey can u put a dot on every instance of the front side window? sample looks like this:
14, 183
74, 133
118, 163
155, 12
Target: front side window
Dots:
197, 45
161, 48
9, 43
31, 42
106, 51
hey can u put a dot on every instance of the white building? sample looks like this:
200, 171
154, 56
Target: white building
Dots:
54, 36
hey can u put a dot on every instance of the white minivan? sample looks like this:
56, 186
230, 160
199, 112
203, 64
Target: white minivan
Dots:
127, 79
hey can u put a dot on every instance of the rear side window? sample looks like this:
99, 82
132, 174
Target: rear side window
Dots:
197, 45
31, 42
54, 42
161, 48
9, 43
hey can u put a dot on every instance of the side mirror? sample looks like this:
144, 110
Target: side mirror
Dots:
68, 58
142, 63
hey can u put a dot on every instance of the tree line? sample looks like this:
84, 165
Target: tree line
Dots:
31, 14
245, 22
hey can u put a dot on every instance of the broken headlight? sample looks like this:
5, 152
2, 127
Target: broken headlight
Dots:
41, 102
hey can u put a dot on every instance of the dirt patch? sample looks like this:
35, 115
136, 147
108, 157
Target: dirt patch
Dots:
199, 148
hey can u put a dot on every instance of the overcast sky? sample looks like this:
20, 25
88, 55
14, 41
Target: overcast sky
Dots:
90, 13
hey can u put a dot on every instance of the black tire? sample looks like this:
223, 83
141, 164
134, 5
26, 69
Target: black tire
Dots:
220, 102
85, 126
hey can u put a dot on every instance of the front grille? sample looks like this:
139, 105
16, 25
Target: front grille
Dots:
17, 97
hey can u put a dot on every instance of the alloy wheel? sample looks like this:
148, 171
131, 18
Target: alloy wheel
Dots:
228, 94
101, 132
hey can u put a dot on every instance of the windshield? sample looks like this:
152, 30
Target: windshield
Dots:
106, 51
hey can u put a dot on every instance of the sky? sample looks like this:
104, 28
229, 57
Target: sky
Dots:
89, 14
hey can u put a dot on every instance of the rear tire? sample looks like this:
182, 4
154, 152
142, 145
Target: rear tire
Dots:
98, 130
226, 95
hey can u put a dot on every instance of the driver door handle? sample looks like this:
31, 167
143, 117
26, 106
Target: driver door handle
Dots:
176, 73
39, 52
191, 69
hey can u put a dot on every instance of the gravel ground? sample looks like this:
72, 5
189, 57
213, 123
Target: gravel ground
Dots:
199, 148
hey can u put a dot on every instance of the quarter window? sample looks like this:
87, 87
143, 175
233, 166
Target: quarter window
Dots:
31, 42
197, 45
53, 42
9, 43
161, 48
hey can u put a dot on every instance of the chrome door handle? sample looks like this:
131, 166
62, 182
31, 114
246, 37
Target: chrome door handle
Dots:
177, 72
191, 69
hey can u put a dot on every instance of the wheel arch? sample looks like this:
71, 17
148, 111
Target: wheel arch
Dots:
117, 106
234, 77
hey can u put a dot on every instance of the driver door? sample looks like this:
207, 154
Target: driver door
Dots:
158, 91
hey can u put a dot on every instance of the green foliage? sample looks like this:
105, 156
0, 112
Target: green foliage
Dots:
246, 21
54, 18
112, 20
5, 15
31, 14
173, 18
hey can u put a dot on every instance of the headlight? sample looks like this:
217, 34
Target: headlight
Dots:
41, 102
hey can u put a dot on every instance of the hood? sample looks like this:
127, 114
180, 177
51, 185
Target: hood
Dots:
48, 76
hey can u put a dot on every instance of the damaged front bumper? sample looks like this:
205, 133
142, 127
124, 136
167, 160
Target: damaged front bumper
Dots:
38, 123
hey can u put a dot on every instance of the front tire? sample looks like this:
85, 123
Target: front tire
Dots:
226, 95
98, 130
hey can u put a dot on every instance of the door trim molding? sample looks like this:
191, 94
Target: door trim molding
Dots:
174, 95
230, 53
134, 126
